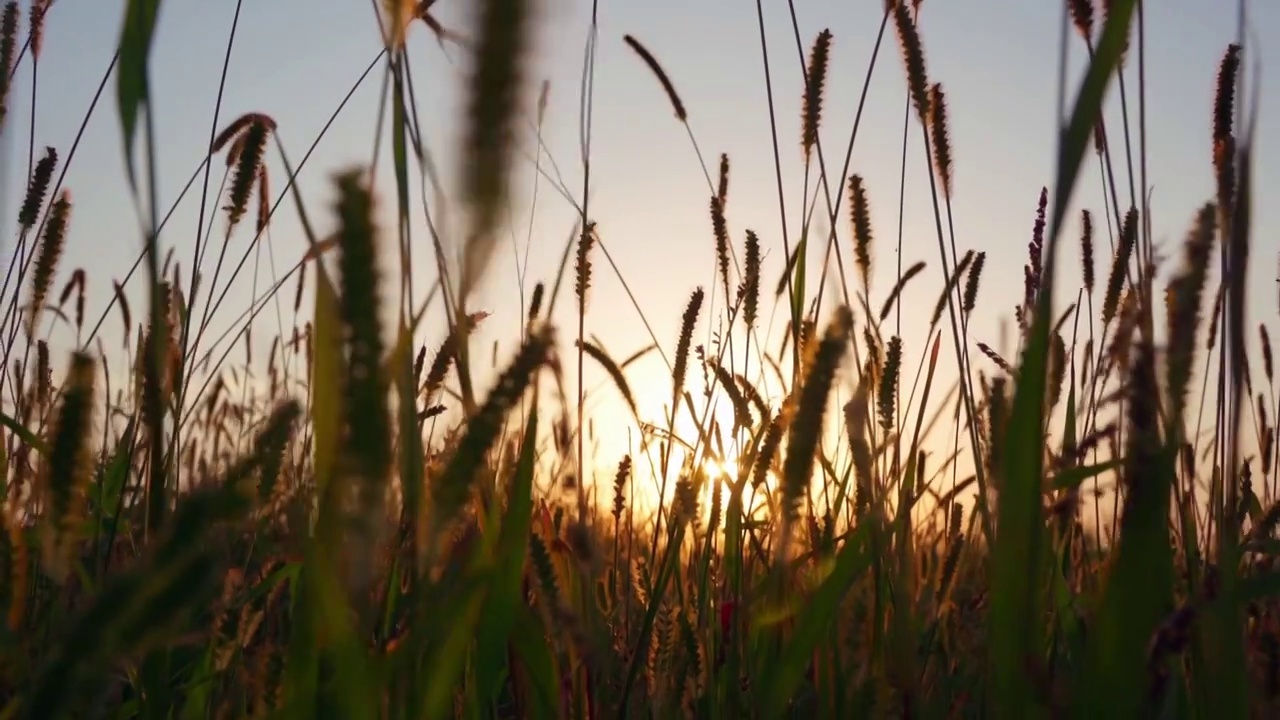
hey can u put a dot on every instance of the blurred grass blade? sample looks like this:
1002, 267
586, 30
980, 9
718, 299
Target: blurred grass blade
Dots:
505, 594
133, 82
1015, 628
24, 434
813, 622
138, 608
326, 382
1070, 478
495, 90
538, 664
66, 471
1139, 589
454, 485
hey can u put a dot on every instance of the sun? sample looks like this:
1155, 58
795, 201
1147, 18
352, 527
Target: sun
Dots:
720, 477
705, 441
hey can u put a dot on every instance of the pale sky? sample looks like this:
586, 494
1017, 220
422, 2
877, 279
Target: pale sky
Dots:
997, 60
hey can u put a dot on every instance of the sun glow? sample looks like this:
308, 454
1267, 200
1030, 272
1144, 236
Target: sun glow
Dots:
705, 444
721, 476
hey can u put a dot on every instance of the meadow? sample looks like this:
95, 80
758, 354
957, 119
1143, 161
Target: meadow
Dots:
360, 522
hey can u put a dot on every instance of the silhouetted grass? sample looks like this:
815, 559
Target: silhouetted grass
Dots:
353, 537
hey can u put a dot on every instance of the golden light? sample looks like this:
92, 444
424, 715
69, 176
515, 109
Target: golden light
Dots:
720, 476
704, 438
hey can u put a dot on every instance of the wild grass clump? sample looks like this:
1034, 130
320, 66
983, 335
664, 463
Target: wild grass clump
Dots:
336, 523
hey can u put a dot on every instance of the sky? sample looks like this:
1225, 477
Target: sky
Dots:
295, 61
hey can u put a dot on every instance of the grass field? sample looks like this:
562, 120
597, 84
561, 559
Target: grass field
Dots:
358, 523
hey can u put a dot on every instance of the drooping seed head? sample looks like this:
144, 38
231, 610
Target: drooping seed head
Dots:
250, 148
676, 104
236, 129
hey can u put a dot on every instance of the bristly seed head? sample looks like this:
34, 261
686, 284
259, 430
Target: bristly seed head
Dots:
1224, 99
720, 228
680, 368
722, 190
36, 32
1082, 17
46, 264
1120, 266
1086, 249
582, 265
1034, 270
750, 288
913, 60
971, 284
815, 84
249, 149
887, 395
41, 176
1268, 365
8, 50
619, 486
1223, 137
940, 137
235, 130
860, 214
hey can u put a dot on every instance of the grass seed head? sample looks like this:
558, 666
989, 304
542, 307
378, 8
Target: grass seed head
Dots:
912, 60
860, 215
37, 189
676, 103
940, 137
815, 86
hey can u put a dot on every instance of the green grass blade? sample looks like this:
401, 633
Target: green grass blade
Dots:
1015, 626
132, 76
505, 593
1139, 590
326, 383
24, 434
813, 622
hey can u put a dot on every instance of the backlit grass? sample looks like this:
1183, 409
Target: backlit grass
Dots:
822, 520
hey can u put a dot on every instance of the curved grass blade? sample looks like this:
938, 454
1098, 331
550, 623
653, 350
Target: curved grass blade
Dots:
24, 434
812, 623
133, 83
505, 595
1014, 623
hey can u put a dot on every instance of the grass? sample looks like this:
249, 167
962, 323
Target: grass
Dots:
357, 538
